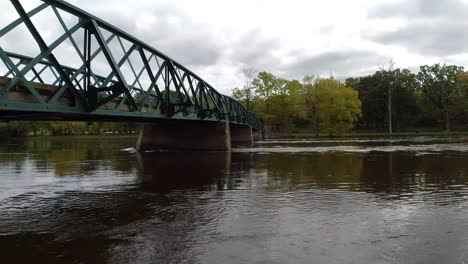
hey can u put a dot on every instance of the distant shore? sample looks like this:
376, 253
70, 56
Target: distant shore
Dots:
84, 136
377, 134
301, 135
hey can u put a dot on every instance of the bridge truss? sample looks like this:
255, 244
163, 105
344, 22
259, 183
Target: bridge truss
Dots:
95, 71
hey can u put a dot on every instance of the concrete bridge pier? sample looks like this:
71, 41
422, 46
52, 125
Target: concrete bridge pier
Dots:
257, 136
188, 135
241, 134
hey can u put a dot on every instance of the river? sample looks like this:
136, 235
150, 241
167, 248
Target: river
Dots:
84, 200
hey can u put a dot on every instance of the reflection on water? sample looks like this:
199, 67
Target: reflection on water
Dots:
307, 201
165, 171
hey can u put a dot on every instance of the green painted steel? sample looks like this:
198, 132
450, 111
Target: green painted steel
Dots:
117, 77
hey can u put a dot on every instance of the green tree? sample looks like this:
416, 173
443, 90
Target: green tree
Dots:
311, 97
387, 93
265, 86
404, 98
439, 84
372, 99
461, 104
335, 107
294, 89
68, 128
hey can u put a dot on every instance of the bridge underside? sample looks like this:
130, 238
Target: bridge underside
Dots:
158, 132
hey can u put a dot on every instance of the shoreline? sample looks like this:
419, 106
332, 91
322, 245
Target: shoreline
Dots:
78, 136
358, 134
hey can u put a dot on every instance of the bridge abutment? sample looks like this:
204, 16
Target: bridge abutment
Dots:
188, 135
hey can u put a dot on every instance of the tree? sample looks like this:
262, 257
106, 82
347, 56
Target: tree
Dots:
68, 128
404, 86
388, 99
384, 80
439, 84
294, 108
388, 93
280, 106
334, 107
389, 82
246, 94
239, 95
311, 100
461, 105
265, 86
248, 76
373, 108
397, 89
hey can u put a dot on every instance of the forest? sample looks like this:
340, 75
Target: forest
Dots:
389, 100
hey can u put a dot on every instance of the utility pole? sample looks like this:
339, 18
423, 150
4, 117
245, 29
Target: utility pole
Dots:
389, 103
389, 75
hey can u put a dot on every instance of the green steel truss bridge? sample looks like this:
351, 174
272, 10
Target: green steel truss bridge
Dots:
93, 71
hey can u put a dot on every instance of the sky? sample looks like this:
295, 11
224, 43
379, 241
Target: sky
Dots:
217, 39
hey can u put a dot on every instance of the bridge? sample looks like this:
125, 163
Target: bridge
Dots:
93, 71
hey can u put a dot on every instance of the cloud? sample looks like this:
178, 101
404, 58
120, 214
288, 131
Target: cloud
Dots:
252, 49
162, 25
165, 27
414, 9
429, 27
217, 39
338, 63
440, 38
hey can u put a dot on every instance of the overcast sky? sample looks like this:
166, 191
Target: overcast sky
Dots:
218, 38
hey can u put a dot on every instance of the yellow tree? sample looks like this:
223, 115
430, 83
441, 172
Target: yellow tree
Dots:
334, 107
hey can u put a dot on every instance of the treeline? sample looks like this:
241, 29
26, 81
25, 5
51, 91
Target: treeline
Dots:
391, 99
42, 128
285, 105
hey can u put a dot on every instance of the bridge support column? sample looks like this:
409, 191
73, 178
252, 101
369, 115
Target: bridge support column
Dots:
241, 133
181, 134
257, 136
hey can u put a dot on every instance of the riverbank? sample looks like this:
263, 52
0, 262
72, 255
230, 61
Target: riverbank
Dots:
278, 135
102, 136
377, 134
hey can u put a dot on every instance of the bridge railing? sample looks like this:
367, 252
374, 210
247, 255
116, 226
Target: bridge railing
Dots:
114, 73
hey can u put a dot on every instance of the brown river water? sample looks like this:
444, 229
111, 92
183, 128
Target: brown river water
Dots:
72, 200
